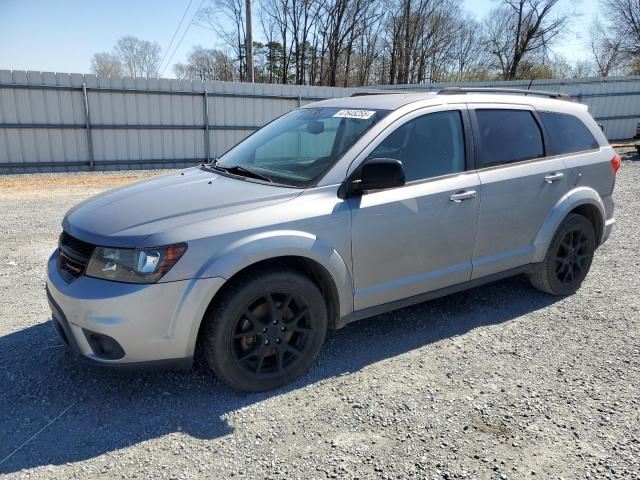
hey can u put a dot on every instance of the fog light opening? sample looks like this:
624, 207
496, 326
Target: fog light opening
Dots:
104, 346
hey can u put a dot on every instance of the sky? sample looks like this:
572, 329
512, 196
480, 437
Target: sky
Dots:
62, 35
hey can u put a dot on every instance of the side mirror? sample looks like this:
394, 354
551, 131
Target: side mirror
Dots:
378, 173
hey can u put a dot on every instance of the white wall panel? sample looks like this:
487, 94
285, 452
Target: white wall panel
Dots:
614, 102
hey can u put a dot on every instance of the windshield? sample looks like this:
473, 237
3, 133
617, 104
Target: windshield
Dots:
299, 147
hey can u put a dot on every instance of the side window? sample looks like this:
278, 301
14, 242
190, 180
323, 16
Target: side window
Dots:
567, 133
508, 136
428, 146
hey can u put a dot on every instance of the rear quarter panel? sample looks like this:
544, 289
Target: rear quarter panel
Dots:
591, 169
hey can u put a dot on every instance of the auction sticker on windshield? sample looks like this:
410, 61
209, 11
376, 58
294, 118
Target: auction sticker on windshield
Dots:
361, 114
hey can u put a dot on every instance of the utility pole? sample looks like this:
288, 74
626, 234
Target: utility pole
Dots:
249, 43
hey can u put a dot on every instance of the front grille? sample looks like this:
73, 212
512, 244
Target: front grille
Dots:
78, 246
74, 256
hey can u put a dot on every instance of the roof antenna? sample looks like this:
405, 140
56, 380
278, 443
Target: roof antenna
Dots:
530, 83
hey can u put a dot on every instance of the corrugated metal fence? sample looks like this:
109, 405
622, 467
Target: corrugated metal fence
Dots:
70, 122
613, 101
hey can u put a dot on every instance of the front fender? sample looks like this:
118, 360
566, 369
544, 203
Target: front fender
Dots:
267, 245
572, 199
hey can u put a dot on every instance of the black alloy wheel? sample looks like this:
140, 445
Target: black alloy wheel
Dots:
264, 329
568, 257
272, 333
573, 256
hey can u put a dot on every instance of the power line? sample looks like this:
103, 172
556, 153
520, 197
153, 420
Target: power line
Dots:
175, 33
182, 38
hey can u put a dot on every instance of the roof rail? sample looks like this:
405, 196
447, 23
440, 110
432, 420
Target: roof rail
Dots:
516, 91
363, 93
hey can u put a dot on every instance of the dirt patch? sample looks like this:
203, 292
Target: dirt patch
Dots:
67, 181
496, 429
57, 184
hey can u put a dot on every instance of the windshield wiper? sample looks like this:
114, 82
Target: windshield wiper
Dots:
242, 171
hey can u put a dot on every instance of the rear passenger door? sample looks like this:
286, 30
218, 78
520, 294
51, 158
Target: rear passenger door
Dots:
519, 185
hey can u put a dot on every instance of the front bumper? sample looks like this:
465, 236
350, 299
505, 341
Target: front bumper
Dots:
156, 325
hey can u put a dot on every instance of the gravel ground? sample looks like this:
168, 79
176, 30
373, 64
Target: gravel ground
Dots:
497, 382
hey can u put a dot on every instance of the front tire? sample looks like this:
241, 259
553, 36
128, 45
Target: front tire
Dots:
265, 330
568, 258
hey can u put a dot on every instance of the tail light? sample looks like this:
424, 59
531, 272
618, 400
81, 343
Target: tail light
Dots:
616, 161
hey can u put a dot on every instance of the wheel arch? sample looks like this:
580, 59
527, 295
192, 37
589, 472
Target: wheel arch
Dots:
300, 251
304, 265
591, 212
584, 201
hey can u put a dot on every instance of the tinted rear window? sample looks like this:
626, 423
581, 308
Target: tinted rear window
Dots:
567, 133
508, 136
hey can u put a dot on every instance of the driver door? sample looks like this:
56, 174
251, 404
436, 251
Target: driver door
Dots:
418, 237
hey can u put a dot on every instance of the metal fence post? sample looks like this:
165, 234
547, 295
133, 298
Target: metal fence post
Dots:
206, 128
299, 101
88, 126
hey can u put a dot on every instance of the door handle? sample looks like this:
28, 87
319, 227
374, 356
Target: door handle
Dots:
553, 177
460, 196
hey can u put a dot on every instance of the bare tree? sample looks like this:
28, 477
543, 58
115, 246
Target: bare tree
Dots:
356, 42
106, 64
206, 64
430, 41
558, 66
275, 15
272, 52
437, 41
518, 29
367, 53
226, 18
609, 53
346, 22
623, 18
303, 15
140, 58
468, 57
583, 69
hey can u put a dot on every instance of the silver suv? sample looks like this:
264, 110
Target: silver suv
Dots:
334, 212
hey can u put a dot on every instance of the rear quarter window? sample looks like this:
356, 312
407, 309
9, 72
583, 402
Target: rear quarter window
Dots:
508, 136
567, 133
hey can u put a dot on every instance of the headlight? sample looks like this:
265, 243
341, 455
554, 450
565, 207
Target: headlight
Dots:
146, 265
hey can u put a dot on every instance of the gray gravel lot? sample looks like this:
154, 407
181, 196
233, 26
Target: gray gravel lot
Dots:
498, 382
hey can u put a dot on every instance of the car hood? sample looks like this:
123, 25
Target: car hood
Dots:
124, 217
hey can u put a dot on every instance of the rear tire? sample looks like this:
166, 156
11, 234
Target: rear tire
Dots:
265, 330
568, 258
